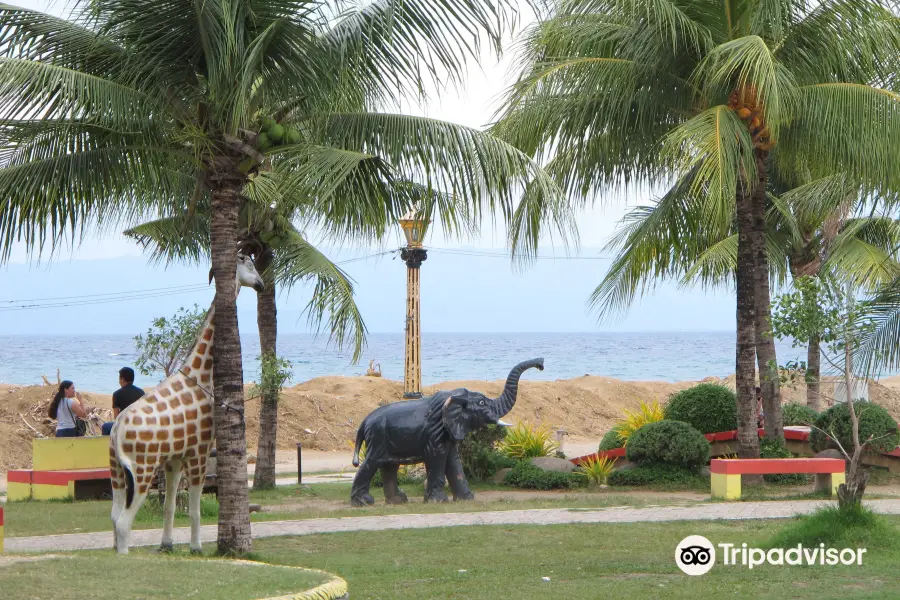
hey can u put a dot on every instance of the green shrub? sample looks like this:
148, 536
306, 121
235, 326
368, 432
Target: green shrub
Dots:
795, 413
854, 526
874, 420
523, 441
611, 440
478, 454
596, 470
707, 407
656, 474
668, 442
773, 448
526, 475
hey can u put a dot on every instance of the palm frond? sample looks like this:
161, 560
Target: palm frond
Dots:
332, 298
716, 146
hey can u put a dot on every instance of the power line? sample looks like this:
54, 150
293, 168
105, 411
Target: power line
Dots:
98, 301
487, 253
193, 285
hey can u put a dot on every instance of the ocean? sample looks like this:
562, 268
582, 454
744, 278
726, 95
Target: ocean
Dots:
92, 362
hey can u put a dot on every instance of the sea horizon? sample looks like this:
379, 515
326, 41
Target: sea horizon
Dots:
92, 360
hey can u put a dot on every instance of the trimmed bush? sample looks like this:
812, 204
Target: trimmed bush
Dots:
611, 440
795, 413
773, 448
707, 407
668, 442
478, 454
874, 420
656, 474
526, 475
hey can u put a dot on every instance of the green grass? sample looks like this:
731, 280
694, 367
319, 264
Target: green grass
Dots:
103, 576
607, 561
857, 527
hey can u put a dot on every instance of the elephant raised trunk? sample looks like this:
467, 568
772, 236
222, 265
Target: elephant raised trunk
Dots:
507, 399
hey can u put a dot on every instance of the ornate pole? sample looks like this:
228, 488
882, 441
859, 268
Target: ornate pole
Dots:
412, 374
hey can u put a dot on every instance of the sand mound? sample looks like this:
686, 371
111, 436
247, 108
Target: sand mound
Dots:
324, 413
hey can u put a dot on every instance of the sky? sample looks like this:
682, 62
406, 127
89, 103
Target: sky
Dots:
461, 291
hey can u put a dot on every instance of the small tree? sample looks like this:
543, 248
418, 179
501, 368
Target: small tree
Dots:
274, 372
823, 309
168, 341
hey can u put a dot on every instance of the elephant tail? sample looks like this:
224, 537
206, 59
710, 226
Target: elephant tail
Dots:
360, 438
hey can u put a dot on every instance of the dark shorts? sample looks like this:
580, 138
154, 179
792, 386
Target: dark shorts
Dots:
71, 432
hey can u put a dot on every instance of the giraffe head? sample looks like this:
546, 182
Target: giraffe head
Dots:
245, 275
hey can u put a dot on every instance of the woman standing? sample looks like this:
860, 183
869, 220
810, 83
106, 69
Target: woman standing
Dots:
65, 407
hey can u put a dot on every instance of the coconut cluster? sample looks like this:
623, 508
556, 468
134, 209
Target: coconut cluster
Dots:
272, 133
746, 106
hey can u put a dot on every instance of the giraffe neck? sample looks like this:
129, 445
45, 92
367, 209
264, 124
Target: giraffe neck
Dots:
198, 364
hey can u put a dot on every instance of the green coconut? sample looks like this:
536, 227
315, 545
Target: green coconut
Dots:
292, 136
276, 133
263, 142
268, 123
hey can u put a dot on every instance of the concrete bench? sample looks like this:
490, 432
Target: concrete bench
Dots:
725, 474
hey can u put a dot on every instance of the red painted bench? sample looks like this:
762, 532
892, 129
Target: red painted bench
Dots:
725, 478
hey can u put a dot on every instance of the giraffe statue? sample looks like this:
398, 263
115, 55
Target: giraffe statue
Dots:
172, 429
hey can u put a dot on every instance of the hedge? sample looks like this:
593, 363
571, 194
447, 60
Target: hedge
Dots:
707, 407
668, 442
874, 420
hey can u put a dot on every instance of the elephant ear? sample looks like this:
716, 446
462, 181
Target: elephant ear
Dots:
454, 417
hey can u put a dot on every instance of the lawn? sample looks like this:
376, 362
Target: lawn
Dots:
607, 561
582, 561
103, 576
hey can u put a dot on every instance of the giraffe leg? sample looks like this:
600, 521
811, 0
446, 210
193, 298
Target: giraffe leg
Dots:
173, 478
118, 500
126, 519
194, 493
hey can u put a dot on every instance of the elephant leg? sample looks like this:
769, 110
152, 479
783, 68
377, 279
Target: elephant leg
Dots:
436, 467
359, 495
392, 492
457, 478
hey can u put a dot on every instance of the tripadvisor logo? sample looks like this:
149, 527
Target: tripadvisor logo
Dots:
696, 555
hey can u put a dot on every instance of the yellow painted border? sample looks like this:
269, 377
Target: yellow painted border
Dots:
49, 491
335, 589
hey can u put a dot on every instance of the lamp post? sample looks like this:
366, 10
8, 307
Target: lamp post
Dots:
414, 226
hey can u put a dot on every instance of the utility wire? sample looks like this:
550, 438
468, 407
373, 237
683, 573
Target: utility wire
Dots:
112, 297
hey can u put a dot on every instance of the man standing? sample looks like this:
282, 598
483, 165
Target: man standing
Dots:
125, 396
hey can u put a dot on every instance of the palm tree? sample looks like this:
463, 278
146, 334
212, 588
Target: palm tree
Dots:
818, 228
129, 108
697, 95
284, 257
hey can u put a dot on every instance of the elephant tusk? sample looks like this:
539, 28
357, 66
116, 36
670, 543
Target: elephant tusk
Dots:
503, 423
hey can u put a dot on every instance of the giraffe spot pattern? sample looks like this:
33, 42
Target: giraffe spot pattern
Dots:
187, 398
201, 349
207, 335
164, 421
177, 386
150, 420
206, 423
191, 428
208, 364
165, 393
205, 378
145, 435
137, 420
190, 414
178, 418
131, 435
205, 408
147, 409
162, 434
197, 362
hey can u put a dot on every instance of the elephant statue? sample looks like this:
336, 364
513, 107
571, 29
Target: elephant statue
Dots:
428, 430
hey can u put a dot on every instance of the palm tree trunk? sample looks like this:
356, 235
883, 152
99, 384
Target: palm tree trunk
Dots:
813, 371
231, 441
267, 322
767, 361
745, 368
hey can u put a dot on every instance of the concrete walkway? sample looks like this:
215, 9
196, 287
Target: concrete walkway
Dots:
550, 516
